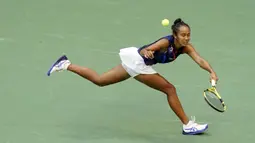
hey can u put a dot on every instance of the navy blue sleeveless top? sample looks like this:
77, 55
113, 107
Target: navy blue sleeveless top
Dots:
163, 56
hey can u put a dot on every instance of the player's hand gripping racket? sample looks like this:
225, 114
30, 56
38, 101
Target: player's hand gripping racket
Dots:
213, 98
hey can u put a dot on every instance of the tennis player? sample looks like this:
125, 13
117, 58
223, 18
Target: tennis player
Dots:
138, 64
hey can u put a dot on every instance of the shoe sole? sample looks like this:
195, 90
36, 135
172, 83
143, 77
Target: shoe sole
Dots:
195, 133
59, 59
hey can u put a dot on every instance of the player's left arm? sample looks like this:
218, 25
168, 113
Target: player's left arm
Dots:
190, 50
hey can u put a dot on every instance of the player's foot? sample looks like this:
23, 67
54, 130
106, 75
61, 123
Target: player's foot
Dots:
193, 128
60, 65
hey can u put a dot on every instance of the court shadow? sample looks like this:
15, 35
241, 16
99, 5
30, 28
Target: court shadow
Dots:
203, 134
116, 134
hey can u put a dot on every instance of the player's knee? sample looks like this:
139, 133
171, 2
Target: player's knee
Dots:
169, 89
100, 82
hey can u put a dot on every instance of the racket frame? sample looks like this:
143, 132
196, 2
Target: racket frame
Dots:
217, 95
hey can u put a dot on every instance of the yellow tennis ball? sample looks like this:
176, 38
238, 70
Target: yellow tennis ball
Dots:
165, 22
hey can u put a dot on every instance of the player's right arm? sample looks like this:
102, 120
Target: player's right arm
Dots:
148, 51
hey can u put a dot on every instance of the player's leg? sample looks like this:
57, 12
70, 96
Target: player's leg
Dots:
114, 75
159, 83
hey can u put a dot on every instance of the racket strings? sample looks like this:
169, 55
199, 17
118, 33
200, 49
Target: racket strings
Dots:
214, 100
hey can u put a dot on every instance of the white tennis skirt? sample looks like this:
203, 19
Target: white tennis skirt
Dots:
133, 63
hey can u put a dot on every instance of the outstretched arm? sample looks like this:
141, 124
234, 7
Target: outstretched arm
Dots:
200, 61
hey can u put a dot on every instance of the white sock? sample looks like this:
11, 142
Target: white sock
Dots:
188, 124
67, 64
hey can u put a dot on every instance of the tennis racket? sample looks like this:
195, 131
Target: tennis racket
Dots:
213, 98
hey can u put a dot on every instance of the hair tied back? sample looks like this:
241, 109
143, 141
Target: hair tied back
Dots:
178, 20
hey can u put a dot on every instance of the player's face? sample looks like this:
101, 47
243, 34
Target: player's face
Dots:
183, 36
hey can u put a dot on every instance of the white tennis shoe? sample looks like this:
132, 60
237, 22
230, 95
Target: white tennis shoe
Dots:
193, 128
60, 65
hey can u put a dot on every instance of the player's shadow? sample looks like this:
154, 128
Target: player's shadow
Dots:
203, 134
110, 133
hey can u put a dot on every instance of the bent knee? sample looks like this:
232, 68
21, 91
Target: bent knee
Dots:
100, 82
169, 89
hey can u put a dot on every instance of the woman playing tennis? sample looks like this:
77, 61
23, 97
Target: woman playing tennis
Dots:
137, 63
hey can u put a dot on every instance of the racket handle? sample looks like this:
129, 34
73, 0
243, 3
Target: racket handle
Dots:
213, 82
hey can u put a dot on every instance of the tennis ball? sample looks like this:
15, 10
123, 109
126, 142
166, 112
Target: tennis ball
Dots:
165, 22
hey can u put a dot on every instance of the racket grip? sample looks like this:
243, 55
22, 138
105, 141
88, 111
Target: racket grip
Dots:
213, 82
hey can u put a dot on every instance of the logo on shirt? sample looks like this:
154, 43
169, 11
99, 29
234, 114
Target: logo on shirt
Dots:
171, 55
171, 49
